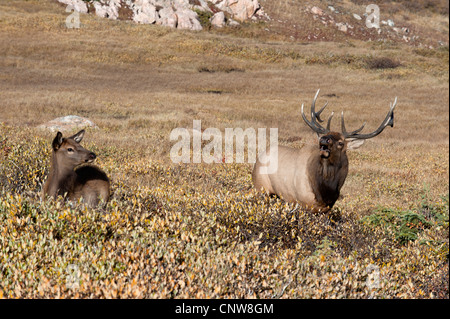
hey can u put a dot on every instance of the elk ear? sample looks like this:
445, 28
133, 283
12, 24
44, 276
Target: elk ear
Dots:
57, 141
353, 144
78, 137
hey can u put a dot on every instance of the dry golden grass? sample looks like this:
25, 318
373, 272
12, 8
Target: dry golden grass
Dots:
169, 227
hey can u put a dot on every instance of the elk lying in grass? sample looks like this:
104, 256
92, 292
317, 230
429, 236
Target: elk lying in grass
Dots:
69, 179
313, 175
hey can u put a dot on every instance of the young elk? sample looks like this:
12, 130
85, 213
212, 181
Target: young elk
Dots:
313, 175
69, 179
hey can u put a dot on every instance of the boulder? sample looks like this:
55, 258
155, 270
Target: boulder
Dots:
342, 27
218, 20
203, 6
68, 123
167, 17
317, 11
187, 19
107, 9
241, 9
145, 13
357, 16
233, 23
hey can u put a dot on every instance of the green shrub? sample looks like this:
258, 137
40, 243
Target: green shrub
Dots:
405, 226
205, 18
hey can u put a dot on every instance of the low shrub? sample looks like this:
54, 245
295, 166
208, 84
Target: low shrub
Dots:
381, 63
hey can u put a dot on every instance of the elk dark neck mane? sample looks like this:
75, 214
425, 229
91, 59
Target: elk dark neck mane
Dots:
328, 180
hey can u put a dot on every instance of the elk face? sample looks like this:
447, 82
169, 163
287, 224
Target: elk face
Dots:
332, 146
69, 152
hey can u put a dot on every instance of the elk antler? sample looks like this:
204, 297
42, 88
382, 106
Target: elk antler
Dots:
388, 121
315, 117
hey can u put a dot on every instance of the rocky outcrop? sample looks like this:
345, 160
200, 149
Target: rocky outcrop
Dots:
181, 14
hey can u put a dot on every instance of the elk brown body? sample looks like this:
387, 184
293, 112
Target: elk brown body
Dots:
313, 175
68, 176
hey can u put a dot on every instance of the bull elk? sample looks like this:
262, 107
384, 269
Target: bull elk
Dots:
313, 175
69, 178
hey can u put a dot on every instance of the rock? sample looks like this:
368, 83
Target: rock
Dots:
187, 19
202, 7
108, 9
317, 11
167, 17
68, 123
242, 9
220, 4
332, 9
356, 16
342, 27
145, 14
234, 23
218, 19
390, 23
78, 5
260, 13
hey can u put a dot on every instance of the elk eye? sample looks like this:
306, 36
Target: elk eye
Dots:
341, 144
70, 149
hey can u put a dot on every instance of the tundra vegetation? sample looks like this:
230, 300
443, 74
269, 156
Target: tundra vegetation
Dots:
200, 230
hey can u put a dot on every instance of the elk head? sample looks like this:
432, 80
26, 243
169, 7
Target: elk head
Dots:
69, 153
333, 144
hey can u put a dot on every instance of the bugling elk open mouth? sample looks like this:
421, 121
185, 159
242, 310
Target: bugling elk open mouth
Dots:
324, 150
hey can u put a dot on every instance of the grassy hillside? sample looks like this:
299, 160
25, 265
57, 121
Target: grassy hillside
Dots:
199, 230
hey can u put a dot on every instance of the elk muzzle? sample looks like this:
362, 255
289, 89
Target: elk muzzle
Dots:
91, 157
325, 143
